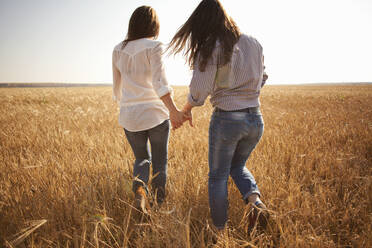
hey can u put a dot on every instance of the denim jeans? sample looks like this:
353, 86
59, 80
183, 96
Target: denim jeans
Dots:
158, 157
232, 138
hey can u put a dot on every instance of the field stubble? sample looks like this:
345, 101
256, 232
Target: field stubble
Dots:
65, 172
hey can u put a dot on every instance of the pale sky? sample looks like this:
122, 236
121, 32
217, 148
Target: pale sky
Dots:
72, 41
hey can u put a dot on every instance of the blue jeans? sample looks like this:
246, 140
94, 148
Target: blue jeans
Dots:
232, 138
158, 157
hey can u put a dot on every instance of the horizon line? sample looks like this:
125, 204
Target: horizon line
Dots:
92, 84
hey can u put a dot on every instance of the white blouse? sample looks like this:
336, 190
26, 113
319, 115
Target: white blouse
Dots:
138, 83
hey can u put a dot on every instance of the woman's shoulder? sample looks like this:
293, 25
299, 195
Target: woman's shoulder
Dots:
150, 43
244, 38
247, 37
140, 42
136, 46
118, 46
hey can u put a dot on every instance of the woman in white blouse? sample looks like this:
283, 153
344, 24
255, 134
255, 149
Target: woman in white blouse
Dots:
140, 85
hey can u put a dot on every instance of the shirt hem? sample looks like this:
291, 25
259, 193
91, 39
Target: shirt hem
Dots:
144, 129
126, 104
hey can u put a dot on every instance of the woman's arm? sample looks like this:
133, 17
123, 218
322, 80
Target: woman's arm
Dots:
159, 79
116, 84
187, 113
175, 116
161, 87
201, 84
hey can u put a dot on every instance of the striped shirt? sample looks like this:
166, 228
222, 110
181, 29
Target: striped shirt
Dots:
235, 85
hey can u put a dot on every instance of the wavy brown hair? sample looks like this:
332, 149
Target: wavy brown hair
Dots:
144, 23
208, 24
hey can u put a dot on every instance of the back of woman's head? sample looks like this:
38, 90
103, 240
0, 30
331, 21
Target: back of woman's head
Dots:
207, 24
144, 23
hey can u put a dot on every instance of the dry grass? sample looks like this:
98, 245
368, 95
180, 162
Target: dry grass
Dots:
65, 172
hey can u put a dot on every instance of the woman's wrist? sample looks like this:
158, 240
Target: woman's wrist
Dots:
173, 110
187, 107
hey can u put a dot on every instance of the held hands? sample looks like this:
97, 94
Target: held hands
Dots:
177, 118
187, 115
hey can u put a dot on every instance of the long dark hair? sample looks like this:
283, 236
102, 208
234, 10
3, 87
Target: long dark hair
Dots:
208, 24
144, 23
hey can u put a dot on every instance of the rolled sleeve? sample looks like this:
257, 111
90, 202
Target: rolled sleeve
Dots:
201, 84
264, 76
162, 91
194, 102
159, 80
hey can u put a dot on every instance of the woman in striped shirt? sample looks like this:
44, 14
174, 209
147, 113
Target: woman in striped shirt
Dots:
228, 66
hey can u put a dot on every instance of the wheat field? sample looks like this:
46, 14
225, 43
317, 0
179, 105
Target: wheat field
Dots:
65, 172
